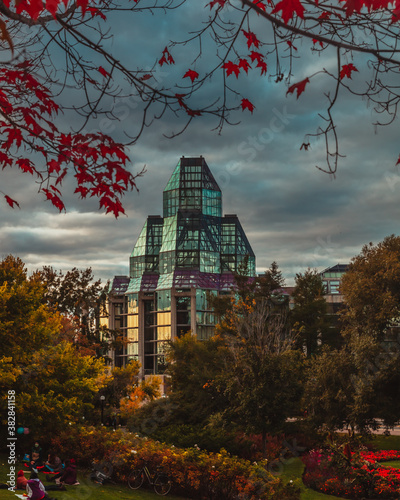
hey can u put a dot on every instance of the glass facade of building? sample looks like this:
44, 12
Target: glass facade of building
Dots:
179, 258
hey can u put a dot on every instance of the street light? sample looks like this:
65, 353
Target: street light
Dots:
102, 398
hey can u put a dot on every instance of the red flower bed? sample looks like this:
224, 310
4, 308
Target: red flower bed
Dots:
363, 479
380, 456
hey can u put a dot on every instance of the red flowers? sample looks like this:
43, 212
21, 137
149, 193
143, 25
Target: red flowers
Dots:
323, 473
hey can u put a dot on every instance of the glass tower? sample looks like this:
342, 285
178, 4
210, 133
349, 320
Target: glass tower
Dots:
179, 257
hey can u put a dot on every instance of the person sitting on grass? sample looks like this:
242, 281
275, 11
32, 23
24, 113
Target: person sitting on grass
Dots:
69, 476
36, 456
53, 464
21, 480
34, 488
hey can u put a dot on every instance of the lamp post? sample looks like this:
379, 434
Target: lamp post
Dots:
102, 398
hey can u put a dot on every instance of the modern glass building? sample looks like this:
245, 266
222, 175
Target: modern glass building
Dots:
179, 257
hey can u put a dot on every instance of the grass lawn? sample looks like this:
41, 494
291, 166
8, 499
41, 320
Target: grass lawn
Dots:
293, 469
380, 442
393, 463
85, 491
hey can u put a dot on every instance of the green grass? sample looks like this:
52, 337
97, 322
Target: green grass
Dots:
293, 469
392, 463
380, 442
85, 491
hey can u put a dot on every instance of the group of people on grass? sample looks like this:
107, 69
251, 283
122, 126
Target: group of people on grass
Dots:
61, 474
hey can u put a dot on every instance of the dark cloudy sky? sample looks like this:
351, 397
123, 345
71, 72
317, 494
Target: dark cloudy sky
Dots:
291, 212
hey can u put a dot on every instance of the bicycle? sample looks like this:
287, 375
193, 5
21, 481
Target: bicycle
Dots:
160, 480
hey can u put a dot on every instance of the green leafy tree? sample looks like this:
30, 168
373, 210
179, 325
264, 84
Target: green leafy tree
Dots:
328, 393
194, 366
80, 299
354, 386
309, 315
57, 388
262, 377
371, 288
371, 320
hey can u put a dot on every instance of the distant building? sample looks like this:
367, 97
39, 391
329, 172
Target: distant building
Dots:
179, 257
331, 278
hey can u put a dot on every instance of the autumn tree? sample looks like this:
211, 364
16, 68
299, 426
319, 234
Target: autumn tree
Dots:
266, 286
359, 383
309, 315
263, 372
57, 388
60, 52
353, 386
124, 392
26, 323
54, 383
194, 366
79, 299
371, 289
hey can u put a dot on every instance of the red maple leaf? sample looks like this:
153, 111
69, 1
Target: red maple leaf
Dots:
83, 4
314, 41
145, 77
231, 68
96, 12
190, 73
256, 56
61, 176
298, 87
105, 73
11, 202
53, 166
346, 70
352, 6
166, 58
289, 8
192, 112
221, 3
56, 201
325, 15
25, 165
111, 206
244, 64
33, 8
261, 5
52, 6
82, 190
263, 65
246, 104
122, 175
251, 39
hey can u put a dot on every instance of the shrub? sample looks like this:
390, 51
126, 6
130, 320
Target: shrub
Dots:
193, 471
362, 479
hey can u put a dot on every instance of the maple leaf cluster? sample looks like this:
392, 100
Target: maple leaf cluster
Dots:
33, 8
234, 68
99, 163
